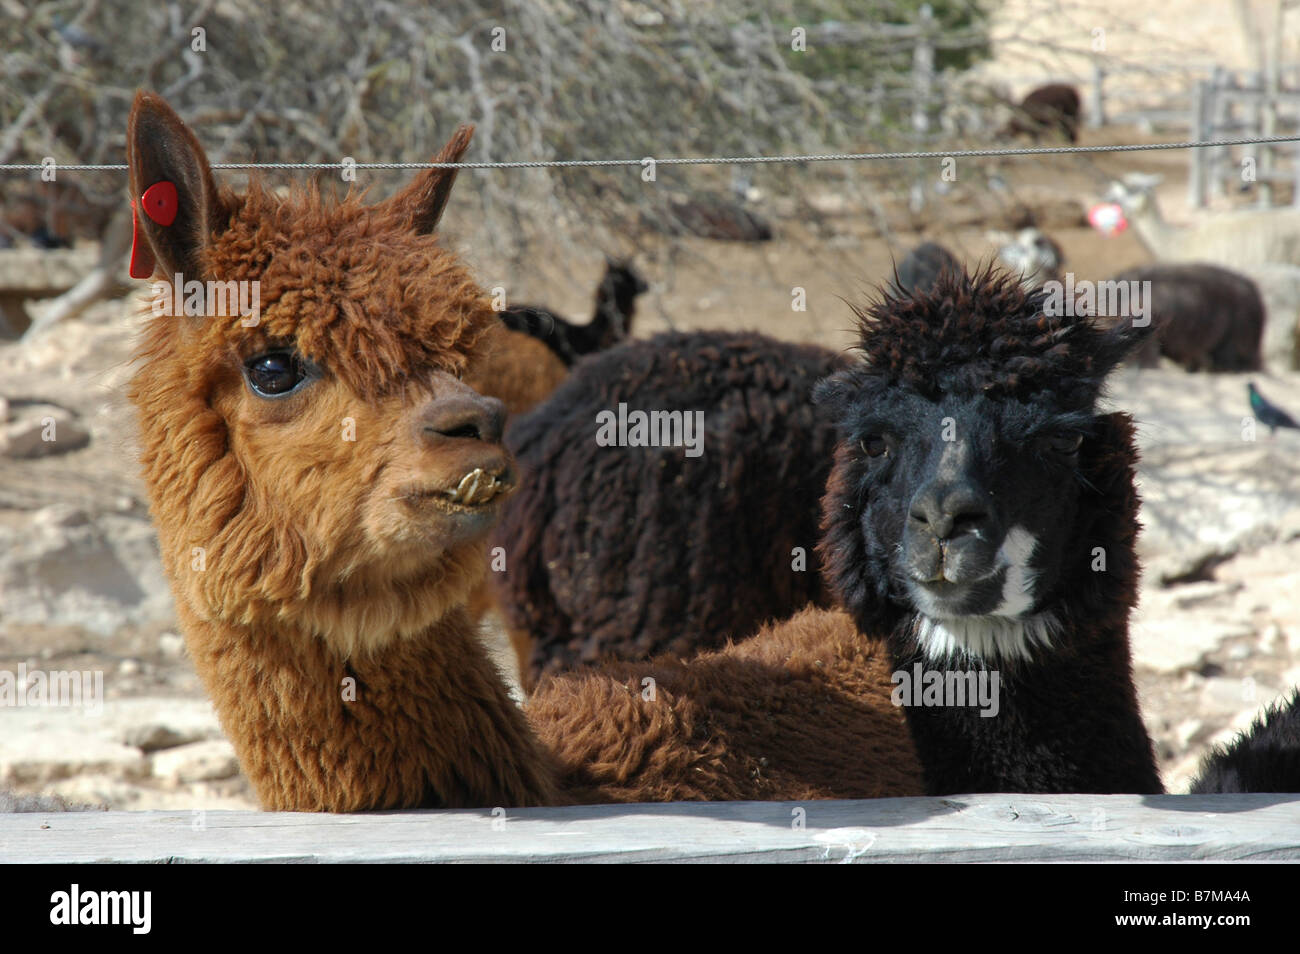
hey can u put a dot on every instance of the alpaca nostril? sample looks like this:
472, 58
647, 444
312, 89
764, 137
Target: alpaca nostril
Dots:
966, 522
961, 517
470, 431
463, 418
958, 511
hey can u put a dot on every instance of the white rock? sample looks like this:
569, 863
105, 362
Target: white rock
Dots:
1180, 641
1185, 731
1225, 694
1191, 595
61, 753
60, 515
99, 573
155, 736
27, 436
42, 745
171, 645
199, 762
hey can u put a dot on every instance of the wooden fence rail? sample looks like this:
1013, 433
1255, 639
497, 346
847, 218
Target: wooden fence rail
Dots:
1018, 828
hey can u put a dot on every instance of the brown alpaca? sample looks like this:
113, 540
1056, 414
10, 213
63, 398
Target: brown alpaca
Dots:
516, 368
323, 481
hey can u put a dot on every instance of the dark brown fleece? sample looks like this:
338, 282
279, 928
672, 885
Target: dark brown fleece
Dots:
627, 552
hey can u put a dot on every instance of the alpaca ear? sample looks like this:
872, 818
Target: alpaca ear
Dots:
160, 148
836, 393
422, 202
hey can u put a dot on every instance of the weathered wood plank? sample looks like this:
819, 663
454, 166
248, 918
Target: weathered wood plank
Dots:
961, 828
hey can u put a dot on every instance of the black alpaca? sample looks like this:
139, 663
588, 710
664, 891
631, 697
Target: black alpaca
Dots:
1265, 758
983, 515
626, 552
921, 269
611, 321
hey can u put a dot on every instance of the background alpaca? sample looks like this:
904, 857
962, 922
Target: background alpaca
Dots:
597, 537
983, 515
1204, 317
611, 321
517, 368
1031, 254
921, 268
322, 484
1053, 108
1244, 239
1264, 758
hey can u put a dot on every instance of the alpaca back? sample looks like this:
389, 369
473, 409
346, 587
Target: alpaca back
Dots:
1265, 758
800, 710
626, 551
1205, 317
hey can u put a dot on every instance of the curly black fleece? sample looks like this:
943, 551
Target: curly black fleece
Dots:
629, 552
1265, 758
1070, 720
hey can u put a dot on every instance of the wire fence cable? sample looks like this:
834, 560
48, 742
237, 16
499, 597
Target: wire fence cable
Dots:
690, 160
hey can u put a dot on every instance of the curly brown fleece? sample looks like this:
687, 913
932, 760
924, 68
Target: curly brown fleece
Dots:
518, 369
800, 710
326, 612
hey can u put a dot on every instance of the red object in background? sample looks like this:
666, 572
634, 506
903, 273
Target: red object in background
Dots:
1107, 218
159, 203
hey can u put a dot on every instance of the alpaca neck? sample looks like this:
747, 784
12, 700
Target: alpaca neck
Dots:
1159, 237
424, 722
608, 323
599, 333
1061, 717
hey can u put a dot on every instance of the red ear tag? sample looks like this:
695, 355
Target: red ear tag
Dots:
159, 202
142, 260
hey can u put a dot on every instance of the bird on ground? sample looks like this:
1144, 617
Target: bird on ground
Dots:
1267, 413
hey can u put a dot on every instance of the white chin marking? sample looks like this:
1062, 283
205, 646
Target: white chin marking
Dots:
1006, 632
987, 638
1018, 587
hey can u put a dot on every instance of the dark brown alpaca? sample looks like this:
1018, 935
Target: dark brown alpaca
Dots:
323, 480
1053, 108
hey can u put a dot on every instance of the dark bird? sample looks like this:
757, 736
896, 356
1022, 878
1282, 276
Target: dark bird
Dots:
1267, 413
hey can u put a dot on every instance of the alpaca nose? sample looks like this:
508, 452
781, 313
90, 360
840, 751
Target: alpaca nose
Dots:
464, 416
949, 510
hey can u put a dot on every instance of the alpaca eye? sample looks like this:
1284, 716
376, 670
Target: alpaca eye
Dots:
1065, 444
874, 446
274, 374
